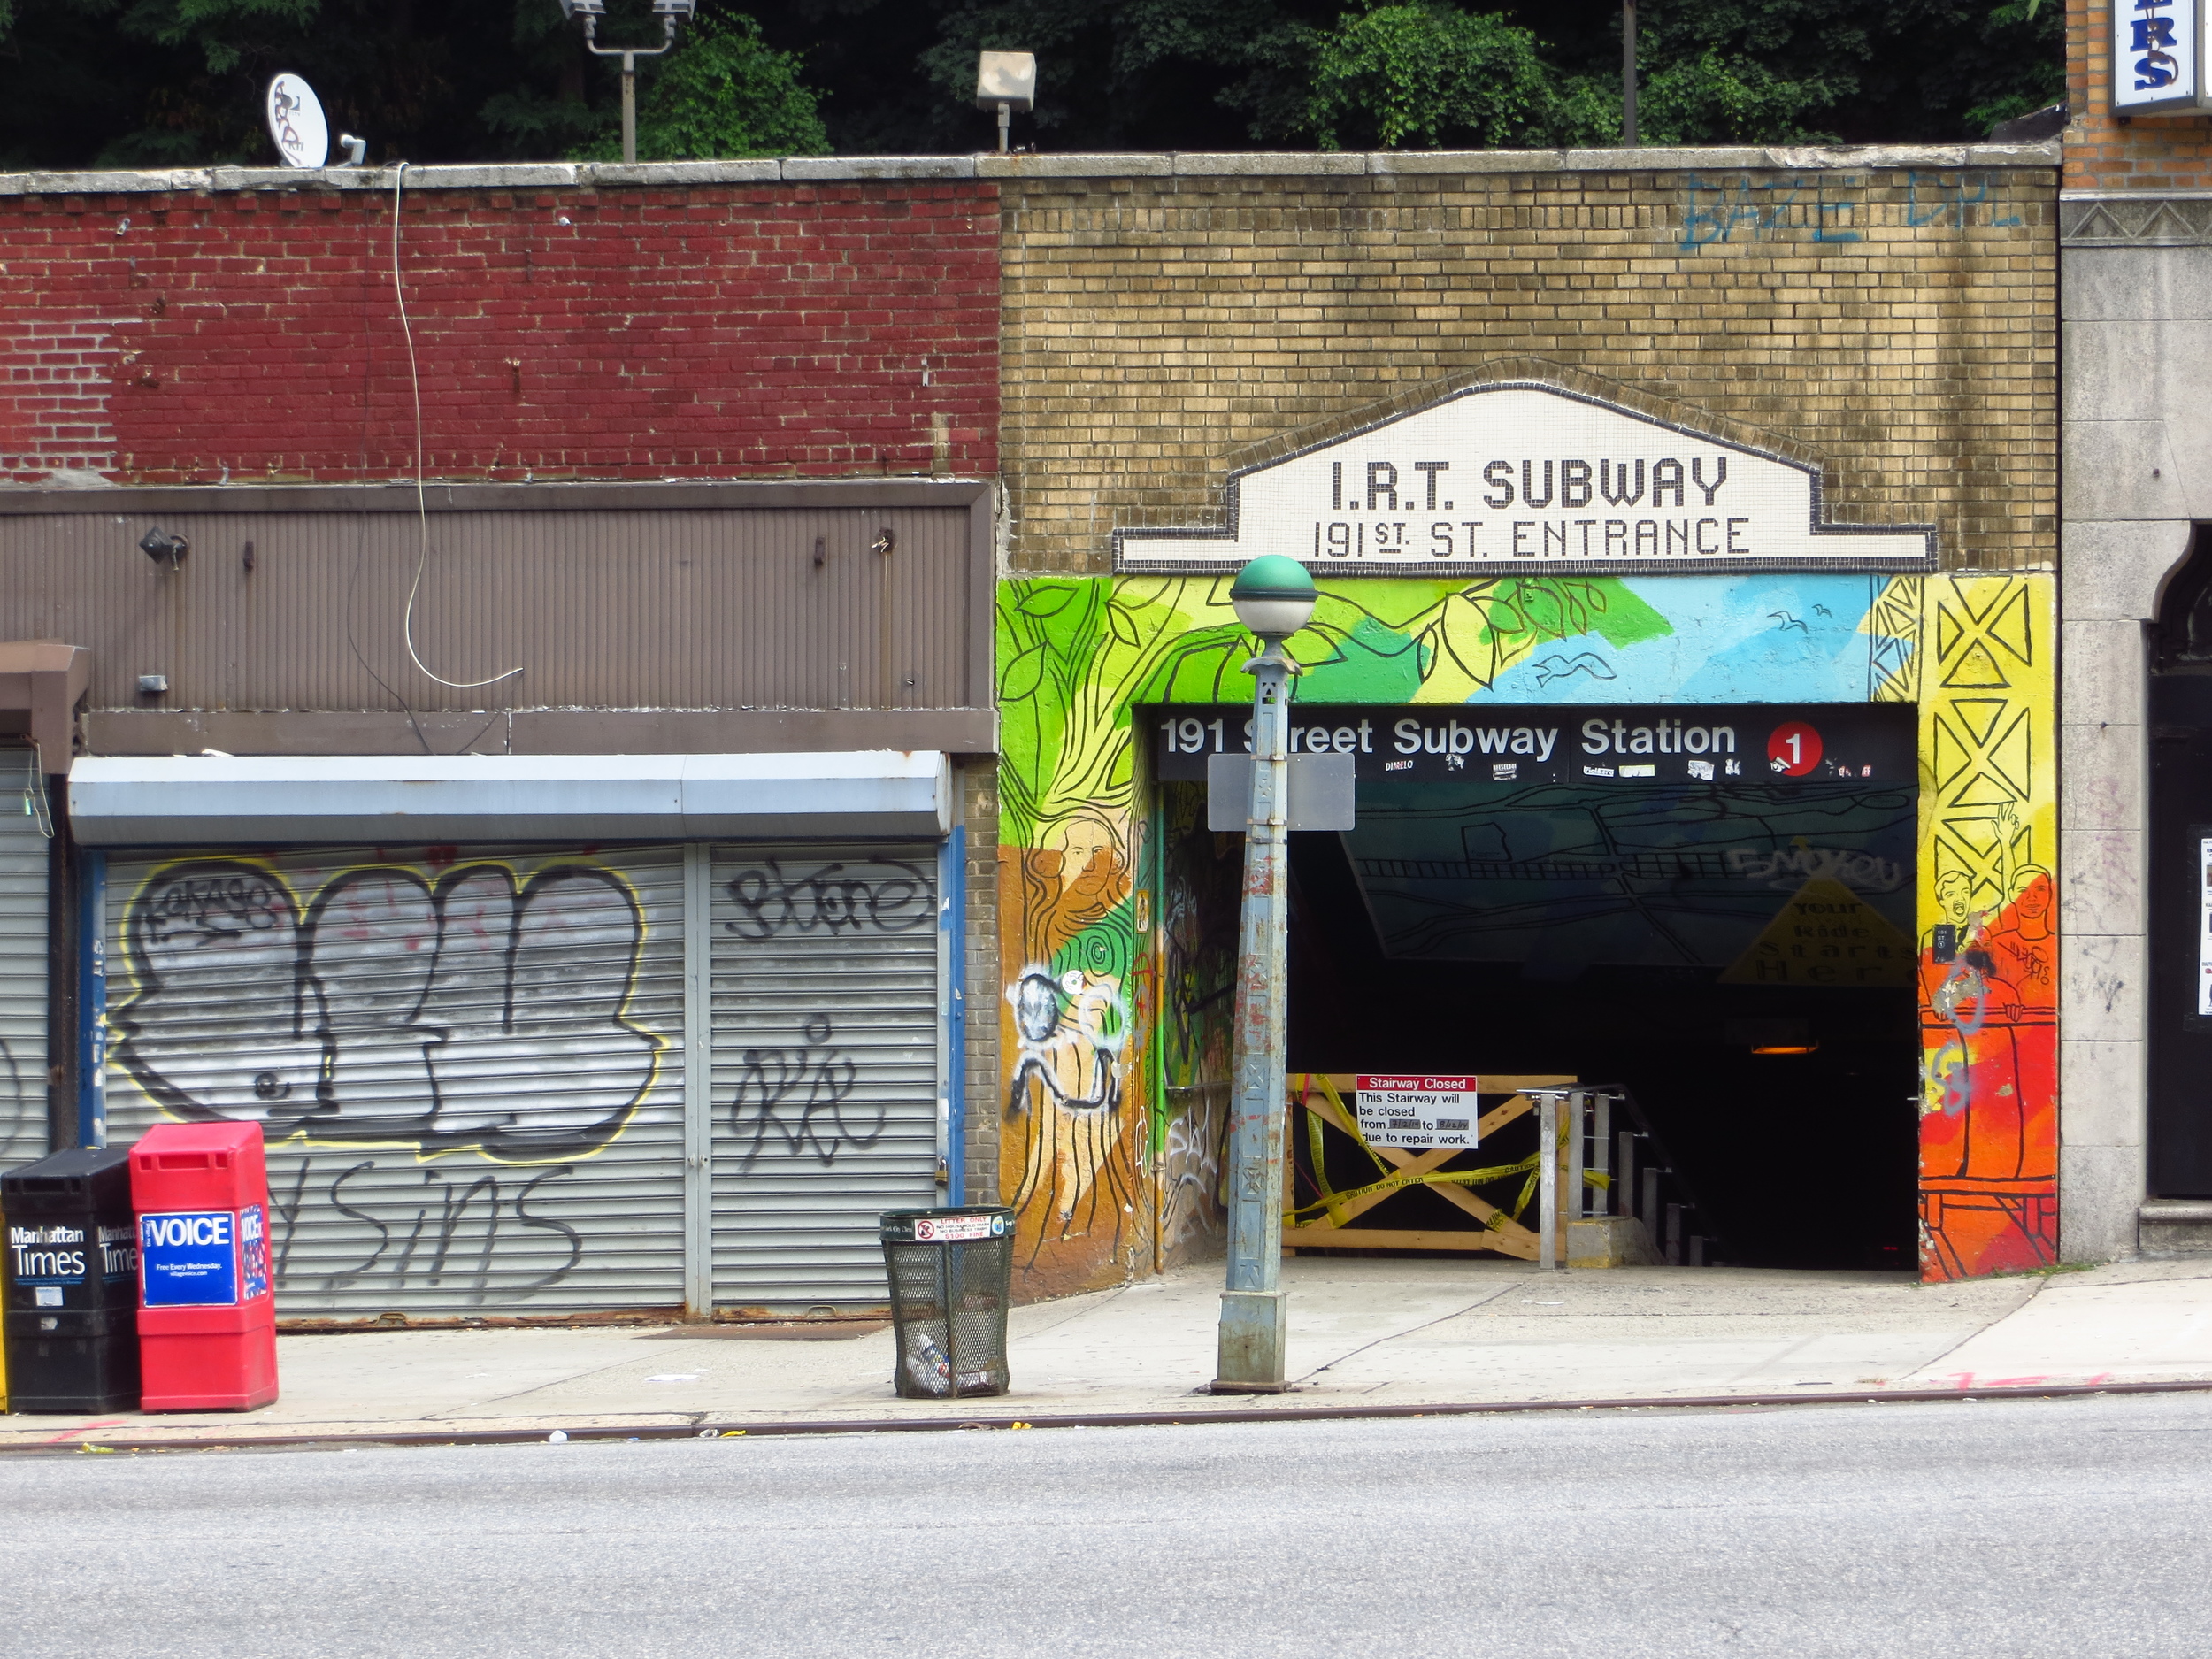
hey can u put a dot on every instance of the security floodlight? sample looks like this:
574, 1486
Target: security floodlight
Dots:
1274, 596
1006, 81
668, 11
162, 548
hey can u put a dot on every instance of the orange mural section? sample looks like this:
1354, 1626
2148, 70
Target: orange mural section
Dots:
1072, 1140
1980, 667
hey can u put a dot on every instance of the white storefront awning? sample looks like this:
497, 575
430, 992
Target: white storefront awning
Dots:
193, 800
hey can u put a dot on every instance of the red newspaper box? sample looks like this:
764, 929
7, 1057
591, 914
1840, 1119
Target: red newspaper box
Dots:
207, 1311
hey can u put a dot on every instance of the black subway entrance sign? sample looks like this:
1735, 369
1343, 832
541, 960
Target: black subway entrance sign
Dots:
1613, 746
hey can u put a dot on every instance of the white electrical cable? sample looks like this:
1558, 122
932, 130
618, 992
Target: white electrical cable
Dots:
422, 503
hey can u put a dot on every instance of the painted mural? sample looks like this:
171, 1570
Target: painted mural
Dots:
1199, 875
1111, 1148
1974, 654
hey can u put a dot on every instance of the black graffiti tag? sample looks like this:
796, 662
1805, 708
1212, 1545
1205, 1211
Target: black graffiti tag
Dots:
830, 898
798, 1095
454, 1231
225, 904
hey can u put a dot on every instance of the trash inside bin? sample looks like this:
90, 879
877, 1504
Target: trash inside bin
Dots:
952, 1273
72, 1278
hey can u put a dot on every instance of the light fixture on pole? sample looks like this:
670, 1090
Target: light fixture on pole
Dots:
1628, 74
1006, 81
670, 12
1274, 597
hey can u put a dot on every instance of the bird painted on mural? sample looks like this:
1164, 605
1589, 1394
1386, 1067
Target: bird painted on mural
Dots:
1567, 667
1789, 622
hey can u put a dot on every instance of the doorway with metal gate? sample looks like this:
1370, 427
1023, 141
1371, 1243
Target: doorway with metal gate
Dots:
2180, 919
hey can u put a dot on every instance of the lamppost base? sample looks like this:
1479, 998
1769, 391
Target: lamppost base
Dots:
1255, 1325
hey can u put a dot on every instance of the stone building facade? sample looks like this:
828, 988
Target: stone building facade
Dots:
2136, 231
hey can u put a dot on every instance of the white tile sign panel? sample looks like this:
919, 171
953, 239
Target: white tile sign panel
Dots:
1526, 476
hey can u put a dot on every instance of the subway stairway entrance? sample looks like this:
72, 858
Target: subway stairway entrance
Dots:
1733, 945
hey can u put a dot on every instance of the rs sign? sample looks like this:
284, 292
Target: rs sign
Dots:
2157, 49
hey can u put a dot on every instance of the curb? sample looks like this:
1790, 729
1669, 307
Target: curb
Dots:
732, 1430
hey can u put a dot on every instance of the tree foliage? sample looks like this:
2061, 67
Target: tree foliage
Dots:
157, 82
723, 94
1428, 75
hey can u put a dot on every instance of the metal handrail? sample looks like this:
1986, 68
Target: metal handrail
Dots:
1596, 1145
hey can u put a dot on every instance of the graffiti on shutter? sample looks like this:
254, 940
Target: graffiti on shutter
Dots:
466, 1063
826, 994
23, 960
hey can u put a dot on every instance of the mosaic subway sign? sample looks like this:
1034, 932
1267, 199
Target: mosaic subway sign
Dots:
1524, 477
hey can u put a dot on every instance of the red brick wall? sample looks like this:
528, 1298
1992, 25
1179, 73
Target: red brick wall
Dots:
794, 330
2142, 152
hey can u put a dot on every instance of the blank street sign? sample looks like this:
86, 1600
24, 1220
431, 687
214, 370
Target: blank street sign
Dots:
1320, 792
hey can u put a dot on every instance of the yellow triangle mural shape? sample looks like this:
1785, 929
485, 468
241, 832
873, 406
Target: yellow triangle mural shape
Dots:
1983, 790
1951, 755
1826, 936
1977, 716
2010, 757
1948, 629
1976, 669
2014, 628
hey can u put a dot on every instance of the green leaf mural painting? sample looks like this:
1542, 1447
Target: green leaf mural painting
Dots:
1115, 1021
1083, 1145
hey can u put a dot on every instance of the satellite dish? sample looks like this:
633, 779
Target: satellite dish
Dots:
296, 121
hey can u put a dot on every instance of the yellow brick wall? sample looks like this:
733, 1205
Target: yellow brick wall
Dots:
1896, 324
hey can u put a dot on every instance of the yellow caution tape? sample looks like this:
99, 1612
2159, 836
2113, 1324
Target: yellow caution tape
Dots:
1333, 1201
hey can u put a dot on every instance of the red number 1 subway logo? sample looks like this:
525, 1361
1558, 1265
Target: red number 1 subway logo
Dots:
1795, 748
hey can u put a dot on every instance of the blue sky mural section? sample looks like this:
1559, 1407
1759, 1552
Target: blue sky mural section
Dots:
1733, 638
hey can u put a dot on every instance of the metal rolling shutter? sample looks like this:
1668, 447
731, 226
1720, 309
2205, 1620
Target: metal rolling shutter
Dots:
824, 969
468, 1062
23, 958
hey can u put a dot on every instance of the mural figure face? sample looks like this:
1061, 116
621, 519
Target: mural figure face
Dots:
1954, 892
2032, 895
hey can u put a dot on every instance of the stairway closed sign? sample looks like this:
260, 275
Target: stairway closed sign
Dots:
1417, 1111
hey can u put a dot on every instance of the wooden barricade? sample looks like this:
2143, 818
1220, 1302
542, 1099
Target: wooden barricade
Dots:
1324, 1097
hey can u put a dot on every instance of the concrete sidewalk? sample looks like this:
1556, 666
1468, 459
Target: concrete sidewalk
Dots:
1364, 1332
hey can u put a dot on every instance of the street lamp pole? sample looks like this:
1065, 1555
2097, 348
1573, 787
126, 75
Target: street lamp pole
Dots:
1274, 598
591, 11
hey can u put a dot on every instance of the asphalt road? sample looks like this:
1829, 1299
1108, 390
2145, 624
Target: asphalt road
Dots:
1978, 1530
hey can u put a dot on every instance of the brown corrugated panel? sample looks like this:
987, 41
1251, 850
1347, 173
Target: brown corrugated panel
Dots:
601, 608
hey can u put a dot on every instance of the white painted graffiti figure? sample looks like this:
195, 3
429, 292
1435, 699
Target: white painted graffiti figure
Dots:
1067, 1071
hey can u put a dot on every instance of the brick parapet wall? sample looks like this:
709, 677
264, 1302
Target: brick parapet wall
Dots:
833, 329
1897, 324
2108, 152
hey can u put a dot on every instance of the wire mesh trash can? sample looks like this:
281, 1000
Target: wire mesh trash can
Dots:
952, 1274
